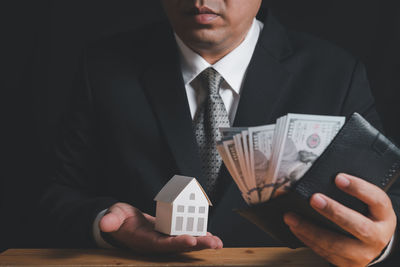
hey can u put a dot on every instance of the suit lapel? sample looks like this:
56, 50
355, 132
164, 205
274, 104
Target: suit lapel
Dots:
266, 79
165, 89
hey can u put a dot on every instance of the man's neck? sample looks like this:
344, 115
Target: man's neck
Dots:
213, 53
212, 56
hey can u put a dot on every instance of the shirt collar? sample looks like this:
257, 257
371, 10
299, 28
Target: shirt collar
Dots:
232, 67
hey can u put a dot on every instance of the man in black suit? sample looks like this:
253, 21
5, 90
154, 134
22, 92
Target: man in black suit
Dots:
135, 123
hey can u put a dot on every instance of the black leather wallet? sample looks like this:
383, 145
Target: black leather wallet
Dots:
358, 149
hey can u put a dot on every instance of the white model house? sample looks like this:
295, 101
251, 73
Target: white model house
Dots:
182, 207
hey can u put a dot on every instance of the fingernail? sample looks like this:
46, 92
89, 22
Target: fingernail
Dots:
291, 219
318, 202
342, 181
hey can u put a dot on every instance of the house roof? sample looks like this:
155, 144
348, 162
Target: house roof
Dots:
175, 186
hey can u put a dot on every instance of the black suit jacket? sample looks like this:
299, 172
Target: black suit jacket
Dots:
130, 129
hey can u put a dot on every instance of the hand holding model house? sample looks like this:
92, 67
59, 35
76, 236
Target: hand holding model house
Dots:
182, 213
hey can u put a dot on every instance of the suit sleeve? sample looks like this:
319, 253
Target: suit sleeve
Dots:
359, 99
70, 202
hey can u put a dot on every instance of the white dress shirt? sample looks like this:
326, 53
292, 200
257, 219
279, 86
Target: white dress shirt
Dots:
232, 68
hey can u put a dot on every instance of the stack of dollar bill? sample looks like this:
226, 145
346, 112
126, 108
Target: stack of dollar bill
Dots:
265, 161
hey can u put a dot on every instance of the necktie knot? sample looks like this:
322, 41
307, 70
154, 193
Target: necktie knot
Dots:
212, 80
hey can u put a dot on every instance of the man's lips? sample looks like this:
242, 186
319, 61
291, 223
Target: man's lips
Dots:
205, 18
204, 10
203, 15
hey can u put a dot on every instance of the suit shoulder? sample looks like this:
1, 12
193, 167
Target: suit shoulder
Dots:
318, 50
136, 44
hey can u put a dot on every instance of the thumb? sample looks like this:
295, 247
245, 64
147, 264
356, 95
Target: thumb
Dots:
112, 220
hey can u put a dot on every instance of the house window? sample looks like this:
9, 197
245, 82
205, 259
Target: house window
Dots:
200, 225
181, 208
189, 224
192, 196
192, 209
202, 209
179, 223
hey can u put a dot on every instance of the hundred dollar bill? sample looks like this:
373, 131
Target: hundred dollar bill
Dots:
233, 172
246, 149
242, 161
303, 138
241, 140
227, 132
276, 144
234, 159
236, 171
260, 145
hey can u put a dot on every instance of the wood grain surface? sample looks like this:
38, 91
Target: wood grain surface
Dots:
225, 257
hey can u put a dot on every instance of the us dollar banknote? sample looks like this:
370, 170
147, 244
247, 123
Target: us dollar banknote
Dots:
302, 140
260, 144
265, 161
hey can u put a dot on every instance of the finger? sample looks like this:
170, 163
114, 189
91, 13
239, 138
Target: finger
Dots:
377, 200
112, 220
351, 221
174, 244
146, 240
218, 240
220, 243
356, 255
150, 218
324, 242
333, 258
187, 243
300, 226
208, 242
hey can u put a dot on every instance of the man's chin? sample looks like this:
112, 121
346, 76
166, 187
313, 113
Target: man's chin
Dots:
204, 39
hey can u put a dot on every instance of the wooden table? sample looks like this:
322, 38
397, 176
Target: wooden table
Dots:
225, 257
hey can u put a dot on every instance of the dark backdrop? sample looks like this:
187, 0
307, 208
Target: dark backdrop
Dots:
40, 44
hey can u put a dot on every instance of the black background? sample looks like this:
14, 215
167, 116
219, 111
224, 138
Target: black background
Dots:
42, 39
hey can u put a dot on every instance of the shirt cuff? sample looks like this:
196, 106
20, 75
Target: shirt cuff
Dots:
96, 231
386, 252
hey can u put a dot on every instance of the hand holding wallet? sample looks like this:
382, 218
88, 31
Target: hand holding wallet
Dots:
358, 149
